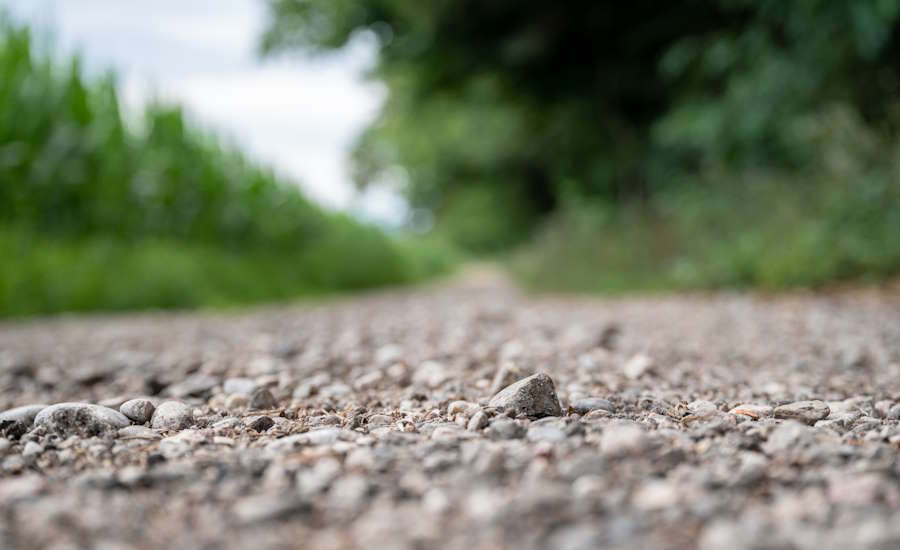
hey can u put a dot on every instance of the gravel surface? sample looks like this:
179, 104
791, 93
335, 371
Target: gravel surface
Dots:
735, 421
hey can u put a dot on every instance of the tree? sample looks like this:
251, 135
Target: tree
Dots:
500, 111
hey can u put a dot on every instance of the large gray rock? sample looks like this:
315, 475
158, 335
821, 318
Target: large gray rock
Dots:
172, 415
533, 396
82, 419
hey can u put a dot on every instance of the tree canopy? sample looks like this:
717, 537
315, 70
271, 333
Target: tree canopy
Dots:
500, 111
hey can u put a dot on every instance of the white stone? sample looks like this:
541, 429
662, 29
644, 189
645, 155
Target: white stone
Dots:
80, 418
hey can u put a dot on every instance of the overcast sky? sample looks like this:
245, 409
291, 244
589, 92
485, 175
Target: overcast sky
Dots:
299, 114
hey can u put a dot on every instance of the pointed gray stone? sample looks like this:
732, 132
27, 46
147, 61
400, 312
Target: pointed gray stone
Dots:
533, 396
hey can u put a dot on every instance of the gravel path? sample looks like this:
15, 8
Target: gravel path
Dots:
712, 421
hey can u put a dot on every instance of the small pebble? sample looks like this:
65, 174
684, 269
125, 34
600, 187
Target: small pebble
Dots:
32, 449
894, 412
172, 415
138, 410
478, 421
263, 399
261, 423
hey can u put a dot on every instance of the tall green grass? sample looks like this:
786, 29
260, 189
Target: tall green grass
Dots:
97, 215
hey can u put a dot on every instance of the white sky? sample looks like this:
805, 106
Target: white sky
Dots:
298, 115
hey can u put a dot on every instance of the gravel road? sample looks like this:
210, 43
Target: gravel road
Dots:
723, 420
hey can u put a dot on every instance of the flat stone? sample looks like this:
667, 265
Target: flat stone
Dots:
138, 432
82, 419
24, 414
172, 415
752, 411
588, 404
139, 410
245, 386
534, 396
808, 412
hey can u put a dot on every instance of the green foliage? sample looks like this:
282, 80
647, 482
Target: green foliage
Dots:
95, 215
532, 106
81, 274
839, 222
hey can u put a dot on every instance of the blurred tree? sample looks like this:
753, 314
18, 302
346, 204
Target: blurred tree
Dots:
506, 109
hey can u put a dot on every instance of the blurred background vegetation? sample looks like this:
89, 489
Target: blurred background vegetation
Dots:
95, 215
590, 145
642, 144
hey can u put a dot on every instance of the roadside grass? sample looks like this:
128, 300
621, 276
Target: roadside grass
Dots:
43, 275
763, 232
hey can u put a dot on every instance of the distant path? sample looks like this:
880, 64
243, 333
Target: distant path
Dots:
389, 463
